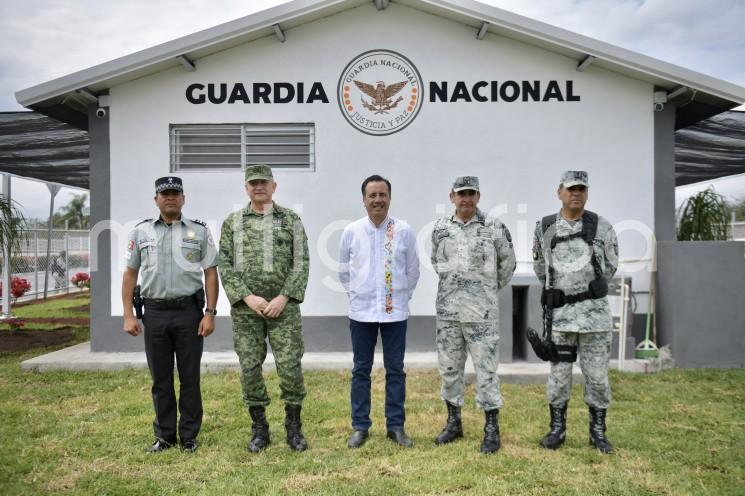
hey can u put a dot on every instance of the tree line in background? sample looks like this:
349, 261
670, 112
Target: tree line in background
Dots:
13, 222
73, 214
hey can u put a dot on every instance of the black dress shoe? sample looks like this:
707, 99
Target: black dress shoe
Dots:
399, 437
189, 446
357, 438
159, 445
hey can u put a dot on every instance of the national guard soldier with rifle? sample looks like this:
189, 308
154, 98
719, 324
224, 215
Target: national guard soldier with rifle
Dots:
575, 254
171, 252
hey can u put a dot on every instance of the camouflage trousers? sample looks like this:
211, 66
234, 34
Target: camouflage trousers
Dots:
455, 340
594, 355
250, 333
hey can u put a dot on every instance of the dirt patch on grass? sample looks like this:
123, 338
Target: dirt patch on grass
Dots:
31, 338
82, 308
71, 321
71, 296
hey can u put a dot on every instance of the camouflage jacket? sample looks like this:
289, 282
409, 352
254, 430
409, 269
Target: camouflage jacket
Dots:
573, 272
265, 255
474, 261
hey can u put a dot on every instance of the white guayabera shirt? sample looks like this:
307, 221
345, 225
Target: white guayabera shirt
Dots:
379, 269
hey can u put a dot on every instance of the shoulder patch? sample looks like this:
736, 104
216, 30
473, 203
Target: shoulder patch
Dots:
507, 234
143, 221
200, 222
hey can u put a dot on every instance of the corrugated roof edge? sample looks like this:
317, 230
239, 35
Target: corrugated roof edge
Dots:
99, 74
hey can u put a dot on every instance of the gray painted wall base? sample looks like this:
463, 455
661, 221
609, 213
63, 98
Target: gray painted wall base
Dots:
320, 333
701, 302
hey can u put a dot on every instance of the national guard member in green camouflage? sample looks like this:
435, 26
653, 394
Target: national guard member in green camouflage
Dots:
473, 256
582, 318
170, 253
264, 270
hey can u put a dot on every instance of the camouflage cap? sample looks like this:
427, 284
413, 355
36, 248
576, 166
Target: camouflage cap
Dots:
259, 172
574, 178
466, 182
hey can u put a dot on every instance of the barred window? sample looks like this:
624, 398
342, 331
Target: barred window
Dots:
196, 147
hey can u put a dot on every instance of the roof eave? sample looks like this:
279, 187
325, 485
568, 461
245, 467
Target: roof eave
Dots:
45, 97
166, 55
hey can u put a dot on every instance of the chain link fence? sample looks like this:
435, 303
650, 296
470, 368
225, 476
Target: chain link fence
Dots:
69, 252
738, 231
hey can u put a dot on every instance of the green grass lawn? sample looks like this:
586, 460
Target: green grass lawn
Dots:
678, 432
67, 306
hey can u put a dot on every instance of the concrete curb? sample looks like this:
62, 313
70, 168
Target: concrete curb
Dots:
81, 358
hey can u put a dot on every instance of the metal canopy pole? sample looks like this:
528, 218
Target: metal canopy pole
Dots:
53, 190
6, 256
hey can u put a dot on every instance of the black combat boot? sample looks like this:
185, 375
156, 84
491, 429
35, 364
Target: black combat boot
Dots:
295, 438
454, 428
259, 429
558, 425
597, 431
491, 442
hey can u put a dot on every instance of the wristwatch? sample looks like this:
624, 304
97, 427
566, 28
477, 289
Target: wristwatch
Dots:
211, 311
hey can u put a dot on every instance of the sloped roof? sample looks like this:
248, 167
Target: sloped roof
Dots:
36, 146
60, 98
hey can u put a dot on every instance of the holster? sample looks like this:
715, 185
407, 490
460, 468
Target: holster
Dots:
598, 288
553, 298
200, 299
137, 302
565, 353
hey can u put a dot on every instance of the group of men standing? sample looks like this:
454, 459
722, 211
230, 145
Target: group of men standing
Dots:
263, 263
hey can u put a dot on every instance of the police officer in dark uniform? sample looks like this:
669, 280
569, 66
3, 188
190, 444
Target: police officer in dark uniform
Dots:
171, 252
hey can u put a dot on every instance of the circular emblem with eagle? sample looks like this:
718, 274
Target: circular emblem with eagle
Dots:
380, 92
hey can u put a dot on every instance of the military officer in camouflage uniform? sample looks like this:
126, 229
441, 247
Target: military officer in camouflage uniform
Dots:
264, 270
472, 254
585, 324
171, 252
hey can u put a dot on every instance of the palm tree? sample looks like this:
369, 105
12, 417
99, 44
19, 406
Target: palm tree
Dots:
704, 217
73, 212
12, 223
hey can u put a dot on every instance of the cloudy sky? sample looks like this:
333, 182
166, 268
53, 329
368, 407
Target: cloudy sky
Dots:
44, 39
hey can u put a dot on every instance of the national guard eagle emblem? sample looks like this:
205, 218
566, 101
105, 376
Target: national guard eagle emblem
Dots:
380, 92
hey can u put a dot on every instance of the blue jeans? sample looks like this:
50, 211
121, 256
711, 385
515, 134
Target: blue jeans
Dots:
364, 338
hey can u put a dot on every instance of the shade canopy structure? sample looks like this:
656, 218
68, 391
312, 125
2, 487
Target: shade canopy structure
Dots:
39, 147
36, 146
710, 149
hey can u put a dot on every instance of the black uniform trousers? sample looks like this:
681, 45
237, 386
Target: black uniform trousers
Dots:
168, 333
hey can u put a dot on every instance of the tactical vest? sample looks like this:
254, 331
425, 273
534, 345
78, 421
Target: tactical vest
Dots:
598, 287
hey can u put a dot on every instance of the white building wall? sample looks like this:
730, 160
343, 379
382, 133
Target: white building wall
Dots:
517, 149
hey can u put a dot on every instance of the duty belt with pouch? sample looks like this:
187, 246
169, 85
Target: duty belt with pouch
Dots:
552, 298
197, 299
556, 298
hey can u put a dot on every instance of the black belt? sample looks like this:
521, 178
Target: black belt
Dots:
556, 298
170, 303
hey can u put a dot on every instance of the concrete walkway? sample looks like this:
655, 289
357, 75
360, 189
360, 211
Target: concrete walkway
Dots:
80, 357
